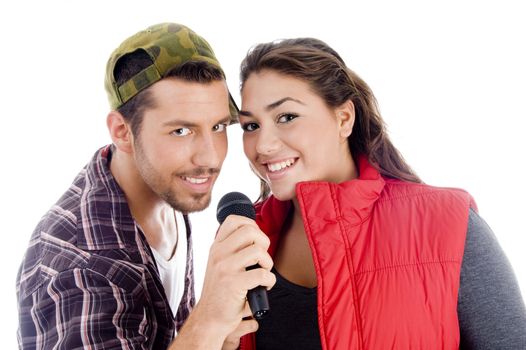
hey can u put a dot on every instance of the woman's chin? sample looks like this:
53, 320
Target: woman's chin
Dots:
284, 195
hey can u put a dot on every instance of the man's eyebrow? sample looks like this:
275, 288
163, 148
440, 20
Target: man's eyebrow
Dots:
272, 105
188, 124
225, 120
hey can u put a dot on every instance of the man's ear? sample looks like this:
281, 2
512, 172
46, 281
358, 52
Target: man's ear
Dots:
345, 115
120, 132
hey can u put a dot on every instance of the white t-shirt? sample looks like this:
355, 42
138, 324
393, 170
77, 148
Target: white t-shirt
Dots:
172, 272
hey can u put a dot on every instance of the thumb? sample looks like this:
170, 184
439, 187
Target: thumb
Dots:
244, 327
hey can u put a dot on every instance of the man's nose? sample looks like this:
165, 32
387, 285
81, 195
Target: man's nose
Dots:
210, 151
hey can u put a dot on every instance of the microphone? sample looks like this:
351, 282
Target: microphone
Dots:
237, 203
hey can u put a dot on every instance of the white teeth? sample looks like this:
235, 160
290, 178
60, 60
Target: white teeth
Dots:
196, 181
281, 165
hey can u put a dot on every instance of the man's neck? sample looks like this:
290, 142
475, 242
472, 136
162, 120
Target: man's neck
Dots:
152, 214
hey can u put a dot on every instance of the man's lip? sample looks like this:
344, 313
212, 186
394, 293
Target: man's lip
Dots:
196, 177
198, 187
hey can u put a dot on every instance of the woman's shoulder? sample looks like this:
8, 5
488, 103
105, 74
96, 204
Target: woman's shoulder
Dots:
398, 190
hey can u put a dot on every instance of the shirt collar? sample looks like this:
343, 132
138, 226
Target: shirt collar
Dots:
105, 218
357, 195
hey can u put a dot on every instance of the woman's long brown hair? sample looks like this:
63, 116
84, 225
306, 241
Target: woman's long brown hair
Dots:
314, 62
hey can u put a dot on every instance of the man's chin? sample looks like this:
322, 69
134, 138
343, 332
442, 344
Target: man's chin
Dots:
193, 204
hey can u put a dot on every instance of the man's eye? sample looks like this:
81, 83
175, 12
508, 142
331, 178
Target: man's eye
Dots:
287, 117
249, 126
220, 127
181, 132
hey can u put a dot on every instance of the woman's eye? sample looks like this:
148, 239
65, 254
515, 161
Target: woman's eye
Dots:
220, 127
249, 126
285, 118
181, 132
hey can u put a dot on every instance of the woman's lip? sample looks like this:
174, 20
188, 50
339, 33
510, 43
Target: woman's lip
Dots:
276, 175
276, 161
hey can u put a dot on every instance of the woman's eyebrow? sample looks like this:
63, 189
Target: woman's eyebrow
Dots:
272, 105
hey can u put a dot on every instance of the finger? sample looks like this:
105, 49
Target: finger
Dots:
243, 237
232, 223
250, 256
252, 278
247, 313
246, 235
244, 327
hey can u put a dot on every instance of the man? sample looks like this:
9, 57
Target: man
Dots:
110, 265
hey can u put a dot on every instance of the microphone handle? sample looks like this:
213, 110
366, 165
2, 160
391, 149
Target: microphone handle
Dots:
258, 299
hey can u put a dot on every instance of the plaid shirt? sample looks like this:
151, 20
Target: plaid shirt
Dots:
89, 280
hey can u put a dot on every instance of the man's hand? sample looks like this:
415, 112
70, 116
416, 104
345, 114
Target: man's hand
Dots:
247, 325
218, 314
239, 244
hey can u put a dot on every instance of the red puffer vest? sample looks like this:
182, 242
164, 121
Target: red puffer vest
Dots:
387, 255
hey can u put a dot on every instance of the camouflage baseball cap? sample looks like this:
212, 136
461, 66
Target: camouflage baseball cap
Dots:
168, 45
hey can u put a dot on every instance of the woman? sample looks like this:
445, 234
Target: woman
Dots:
366, 255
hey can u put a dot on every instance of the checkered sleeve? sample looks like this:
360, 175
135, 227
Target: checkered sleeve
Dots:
83, 309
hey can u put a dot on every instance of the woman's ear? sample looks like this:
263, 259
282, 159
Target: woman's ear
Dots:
345, 115
120, 132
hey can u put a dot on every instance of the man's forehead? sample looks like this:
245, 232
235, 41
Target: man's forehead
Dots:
196, 122
187, 92
190, 103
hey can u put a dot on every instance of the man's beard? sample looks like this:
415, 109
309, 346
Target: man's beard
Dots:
198, 202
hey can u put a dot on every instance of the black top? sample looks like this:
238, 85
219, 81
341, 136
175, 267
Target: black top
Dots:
292, 322
490, 308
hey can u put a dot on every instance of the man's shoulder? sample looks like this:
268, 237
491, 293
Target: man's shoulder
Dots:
89, 229
54, 257
54, 239
59, 227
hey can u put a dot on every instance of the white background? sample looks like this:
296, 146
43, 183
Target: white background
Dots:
450, 78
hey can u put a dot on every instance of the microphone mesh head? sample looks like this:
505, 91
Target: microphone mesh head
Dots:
235, 203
